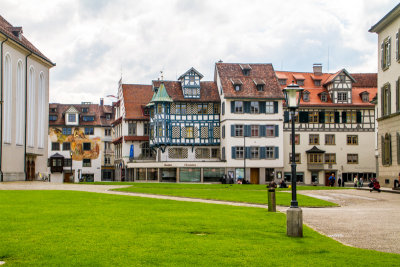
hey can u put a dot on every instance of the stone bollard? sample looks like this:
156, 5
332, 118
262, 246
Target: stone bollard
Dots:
271, 200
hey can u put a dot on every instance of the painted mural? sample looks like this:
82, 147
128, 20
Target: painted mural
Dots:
77, 138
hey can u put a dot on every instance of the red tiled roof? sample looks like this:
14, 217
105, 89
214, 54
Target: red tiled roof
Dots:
364, 82
228, 71
96, 110
298, 76
136, 97
208, 91
117, 140
136, 138
7, 29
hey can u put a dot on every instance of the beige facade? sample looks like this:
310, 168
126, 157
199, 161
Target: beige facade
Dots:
24, 141
388, 136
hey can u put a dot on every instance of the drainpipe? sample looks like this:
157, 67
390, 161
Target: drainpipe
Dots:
26, 109
1, 110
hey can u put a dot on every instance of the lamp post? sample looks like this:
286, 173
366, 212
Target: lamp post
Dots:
294, 214
70, 154
244, 153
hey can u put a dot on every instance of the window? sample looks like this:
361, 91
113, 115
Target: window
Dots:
260, 87
315, 158
269, 152
66, 146
67, 162
239, 152
72, 117
329, 139
254, 107
52, 110
314, 139
160, 129
132, 128
365, 97
108, 115
201, 108
329, 117
146, 151
324, 97
296, 139
107, 132
55, 146
297, 158
202, 153
386, 143
306, 96
107, 146
330, 158
255, 130
86, 163
52, 117
282, 81
89, 131
352, 158
300, 82
317, 82
238, 106
189, 132
386, 97
270, 130
107, 160
254, 152
352, 139
177, 153
86, 146
313, 117
223, 108
85, 110
351, 117
159, 108
146, 129
269, 107
246, 72
385, 53
214, 152
223, 131
237, 87
342, 97
216, 109
342, 78
66, 131
239, 130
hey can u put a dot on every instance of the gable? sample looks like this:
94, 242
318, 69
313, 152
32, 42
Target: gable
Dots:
71, 109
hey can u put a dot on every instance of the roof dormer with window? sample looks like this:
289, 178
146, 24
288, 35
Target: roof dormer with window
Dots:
245, 69
237, 84
190, 82
72, 116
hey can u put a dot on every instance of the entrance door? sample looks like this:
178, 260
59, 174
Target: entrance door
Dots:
67, 177
255, 175
30, 170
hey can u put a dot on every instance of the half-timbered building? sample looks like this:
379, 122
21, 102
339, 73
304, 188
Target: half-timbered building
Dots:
334, 125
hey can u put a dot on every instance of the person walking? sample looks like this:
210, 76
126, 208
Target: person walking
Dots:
339, 181
355, 181
332, 179
361, 182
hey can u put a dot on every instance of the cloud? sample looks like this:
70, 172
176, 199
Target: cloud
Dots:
92, 41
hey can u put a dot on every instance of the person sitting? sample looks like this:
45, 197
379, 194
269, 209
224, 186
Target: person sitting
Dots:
272, 185
282, 184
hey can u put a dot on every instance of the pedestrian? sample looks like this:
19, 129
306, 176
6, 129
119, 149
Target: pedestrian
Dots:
361, 182
339, 181
355, 181
332, 179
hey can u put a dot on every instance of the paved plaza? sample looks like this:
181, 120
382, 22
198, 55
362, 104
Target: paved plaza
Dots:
364, 219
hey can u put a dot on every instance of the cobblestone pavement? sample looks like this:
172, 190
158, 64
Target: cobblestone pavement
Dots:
364, 219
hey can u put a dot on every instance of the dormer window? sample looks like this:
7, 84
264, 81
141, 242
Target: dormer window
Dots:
317, 82
52, 117
246, 72
88, 118
306, 96
342, 97
260, 87
245, 69
237, 87
108, 116
237, 84
85, 110
365, 97
146, 111
53, 110
300, 82
282, 81
324, 97
72, 117
190, 82
259, 84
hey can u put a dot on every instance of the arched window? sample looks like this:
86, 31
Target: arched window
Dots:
41, 108
20, 105
7, 99
31, 107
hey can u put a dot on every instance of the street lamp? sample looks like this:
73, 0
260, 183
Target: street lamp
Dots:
294, 213
70, 154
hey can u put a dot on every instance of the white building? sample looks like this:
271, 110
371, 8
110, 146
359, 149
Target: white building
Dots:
24, 112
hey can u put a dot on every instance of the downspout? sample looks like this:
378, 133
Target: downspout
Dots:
26, 108
1, 110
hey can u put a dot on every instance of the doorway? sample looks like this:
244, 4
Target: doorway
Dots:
327, 174
68, 177
254, 175
269, 174
30, 170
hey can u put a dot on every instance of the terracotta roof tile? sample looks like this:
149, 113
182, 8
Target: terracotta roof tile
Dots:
208, 91
136, 97
228, 71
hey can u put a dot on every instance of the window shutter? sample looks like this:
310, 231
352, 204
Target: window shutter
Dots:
223, 131
321, 117
344, 117
397, 46
223, 153
303, 116
262, 152
359, 118
382, 55
246, 106
232, 130
383, 150
337, 117
276, 130
248, 153
389, 51
276, 152
286, 116
398, 148
275, 106
390, 149
223, 108
262, 106
233, 152
263, 130
247, 130
398, 95
232, 106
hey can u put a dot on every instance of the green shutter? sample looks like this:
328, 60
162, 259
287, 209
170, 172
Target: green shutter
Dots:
276, 152
232, 106
263, 130
276, 130
247, 130
359, 118
246, 106
275, 106
262, 106
303, 116
390, 149
321, 117
344, 117
262, 152
337, 117
247, 153
383, 150
286, 116
232, 130
398, 148
233, 152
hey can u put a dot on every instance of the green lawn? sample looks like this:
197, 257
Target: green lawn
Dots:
59, 228
238, 193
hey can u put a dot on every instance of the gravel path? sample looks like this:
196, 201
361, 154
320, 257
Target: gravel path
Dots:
364, 219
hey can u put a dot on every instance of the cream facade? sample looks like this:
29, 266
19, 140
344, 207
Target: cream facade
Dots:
24, 112
388, 30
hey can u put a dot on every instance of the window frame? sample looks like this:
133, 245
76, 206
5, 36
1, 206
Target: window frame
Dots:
313, 139
352, 140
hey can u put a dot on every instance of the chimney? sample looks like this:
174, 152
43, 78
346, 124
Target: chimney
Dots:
101, 101
317, 69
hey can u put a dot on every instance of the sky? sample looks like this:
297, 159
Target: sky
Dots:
96, 42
